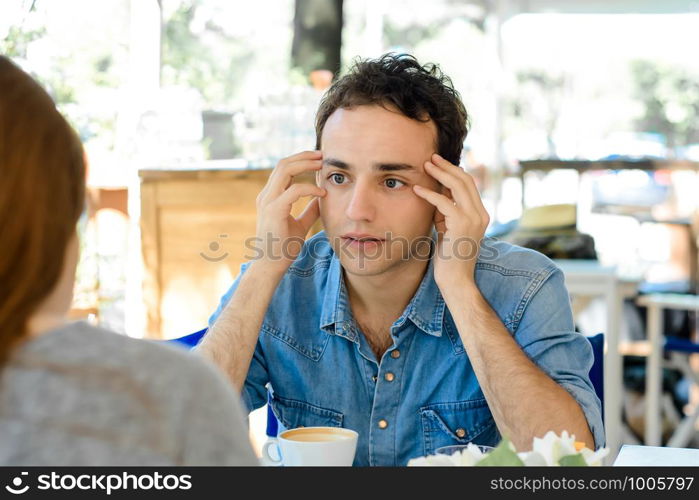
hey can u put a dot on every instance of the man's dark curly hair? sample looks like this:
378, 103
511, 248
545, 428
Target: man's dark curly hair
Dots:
419, 92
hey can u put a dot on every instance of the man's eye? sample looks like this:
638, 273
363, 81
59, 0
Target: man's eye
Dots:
394, 183
337, 178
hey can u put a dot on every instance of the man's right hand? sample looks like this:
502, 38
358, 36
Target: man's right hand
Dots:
280, 235
231, 340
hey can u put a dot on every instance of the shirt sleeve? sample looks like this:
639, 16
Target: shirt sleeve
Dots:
215, 432
254, 390
546, 333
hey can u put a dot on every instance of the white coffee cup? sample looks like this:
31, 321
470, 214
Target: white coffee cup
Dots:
313, 446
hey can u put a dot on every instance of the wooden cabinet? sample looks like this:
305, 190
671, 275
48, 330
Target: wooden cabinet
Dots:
194, 224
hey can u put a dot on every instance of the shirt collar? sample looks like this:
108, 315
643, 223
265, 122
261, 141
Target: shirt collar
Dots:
336, 313
425, 310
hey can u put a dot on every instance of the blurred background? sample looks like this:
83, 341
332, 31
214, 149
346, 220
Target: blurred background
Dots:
584, 141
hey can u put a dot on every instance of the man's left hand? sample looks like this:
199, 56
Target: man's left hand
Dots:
460, 220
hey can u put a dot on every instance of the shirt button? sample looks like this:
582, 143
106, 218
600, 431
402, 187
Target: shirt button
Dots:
389, 377
460, 432
395, 354
383, 424
373, 377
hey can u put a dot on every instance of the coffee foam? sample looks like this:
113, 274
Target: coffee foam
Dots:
316, 435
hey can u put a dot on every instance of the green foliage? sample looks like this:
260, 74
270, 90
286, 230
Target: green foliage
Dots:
428, 24
502, 456
17, 40
212, 61
576, 460
538, 103
15, 46
670, 99
412, 34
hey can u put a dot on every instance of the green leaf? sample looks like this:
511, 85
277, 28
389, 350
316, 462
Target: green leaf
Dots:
502, 455
576, 460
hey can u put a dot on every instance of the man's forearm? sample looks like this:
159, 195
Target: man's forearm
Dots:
231, 340
525, 402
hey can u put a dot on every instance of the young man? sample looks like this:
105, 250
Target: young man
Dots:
362, 327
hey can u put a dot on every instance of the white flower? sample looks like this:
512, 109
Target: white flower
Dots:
546, 451
594, 457
467, 457
553, 447
461, 458
533, 459
431, 460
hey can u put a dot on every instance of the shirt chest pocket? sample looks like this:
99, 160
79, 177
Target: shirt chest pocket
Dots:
462, 422
292, 413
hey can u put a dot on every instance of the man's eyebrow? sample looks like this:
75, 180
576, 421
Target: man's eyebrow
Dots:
393, 167
382, 167
332, 162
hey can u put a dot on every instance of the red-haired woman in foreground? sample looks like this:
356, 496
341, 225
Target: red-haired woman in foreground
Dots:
72, 394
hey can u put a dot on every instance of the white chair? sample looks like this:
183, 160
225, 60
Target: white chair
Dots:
679, 351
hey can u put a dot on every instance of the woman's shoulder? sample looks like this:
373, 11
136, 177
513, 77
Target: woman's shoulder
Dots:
82, 344
100, 360
162, 399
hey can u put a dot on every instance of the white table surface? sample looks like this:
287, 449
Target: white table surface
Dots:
657, 456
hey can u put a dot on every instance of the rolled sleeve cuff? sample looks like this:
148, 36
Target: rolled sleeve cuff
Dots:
591, 407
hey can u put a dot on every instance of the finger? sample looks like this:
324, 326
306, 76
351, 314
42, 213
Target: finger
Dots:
295, 193
309, 215
450, 181
440, 161
455, 170
472, 190
439, 222
476, 197
467, 180
443, 204
284, 173
304, 155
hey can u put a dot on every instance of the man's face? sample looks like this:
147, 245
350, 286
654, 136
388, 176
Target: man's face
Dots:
371, 159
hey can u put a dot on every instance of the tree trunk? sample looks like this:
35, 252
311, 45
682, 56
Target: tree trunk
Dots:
317, 35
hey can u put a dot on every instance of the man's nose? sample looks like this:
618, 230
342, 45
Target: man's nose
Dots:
361, 205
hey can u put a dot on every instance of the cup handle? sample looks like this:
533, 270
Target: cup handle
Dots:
267, 456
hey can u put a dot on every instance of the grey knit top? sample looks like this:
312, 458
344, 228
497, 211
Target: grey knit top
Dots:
81, 395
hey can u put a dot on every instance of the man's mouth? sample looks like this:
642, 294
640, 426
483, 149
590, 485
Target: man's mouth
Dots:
362, 241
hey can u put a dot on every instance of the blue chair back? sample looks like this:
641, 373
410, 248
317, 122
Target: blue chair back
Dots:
678, 344
190, 340
597, 370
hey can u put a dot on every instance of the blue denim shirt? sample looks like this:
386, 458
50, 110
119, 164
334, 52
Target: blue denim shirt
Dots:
321, 371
